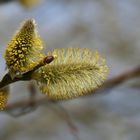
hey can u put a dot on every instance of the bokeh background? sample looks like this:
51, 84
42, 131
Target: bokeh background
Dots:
110, 26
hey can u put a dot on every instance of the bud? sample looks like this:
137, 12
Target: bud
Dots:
48, 59
24, 50
75, 72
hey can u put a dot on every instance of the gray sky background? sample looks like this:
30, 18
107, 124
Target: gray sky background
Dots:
110, 26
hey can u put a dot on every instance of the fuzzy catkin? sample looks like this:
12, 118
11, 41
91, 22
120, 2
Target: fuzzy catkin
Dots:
24, 50
75, 72
29, 3
3, 98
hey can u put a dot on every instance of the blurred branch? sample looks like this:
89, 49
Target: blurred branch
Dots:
109, 84
66, 116
6, 1
25, 106
24, 3
116, 81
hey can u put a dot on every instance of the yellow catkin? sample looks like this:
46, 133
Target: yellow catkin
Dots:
29, 3
24, 50
75, 72
3, 98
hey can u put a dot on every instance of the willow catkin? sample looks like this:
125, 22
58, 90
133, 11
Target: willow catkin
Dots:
29, 3
24, 50
75, 72
3, 97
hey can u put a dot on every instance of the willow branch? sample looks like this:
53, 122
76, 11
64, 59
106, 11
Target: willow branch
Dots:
26, 76
65, 115
109, 84
116, 81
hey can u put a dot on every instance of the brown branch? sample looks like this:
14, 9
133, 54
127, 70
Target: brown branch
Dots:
26, 76
66, 116
25, 106
22, 107
109, 84
116, 81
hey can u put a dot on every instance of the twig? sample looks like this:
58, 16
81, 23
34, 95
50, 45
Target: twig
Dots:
65, 115
23, 103
26, 106
116, 81
26, 76
109, 84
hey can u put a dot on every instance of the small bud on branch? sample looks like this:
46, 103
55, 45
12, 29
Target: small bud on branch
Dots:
48, 59
75, 72
62, 74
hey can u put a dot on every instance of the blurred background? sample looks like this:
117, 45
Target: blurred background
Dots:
110, 26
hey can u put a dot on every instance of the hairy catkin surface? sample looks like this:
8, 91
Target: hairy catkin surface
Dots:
75, 72
3, 98
24, 50
29, 3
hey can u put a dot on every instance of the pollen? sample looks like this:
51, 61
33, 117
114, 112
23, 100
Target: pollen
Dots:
3, 99
29, 3
23, 52
74, 72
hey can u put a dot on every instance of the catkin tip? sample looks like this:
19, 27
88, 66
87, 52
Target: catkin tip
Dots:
23, 52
